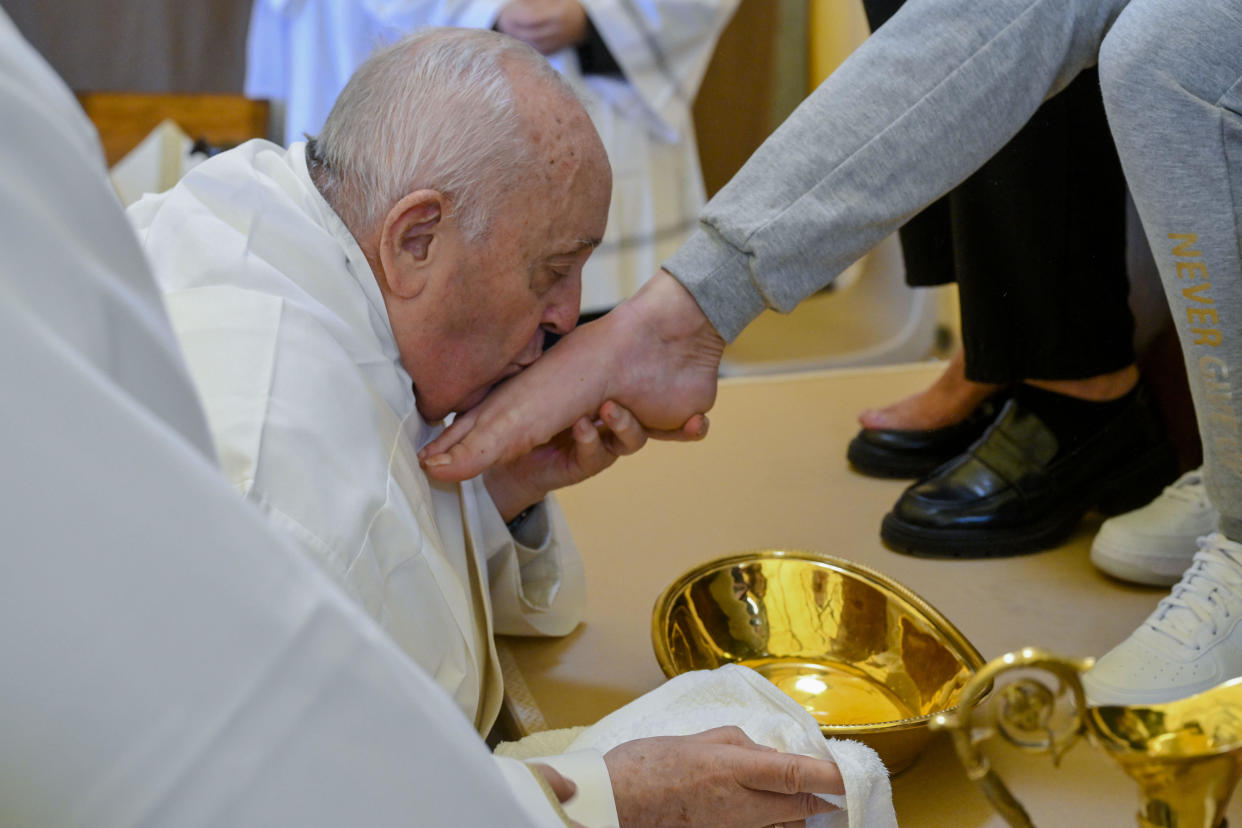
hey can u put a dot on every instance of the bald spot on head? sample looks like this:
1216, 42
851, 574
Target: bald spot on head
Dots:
560, 132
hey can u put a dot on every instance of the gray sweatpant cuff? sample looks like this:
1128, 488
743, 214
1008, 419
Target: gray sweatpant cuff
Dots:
718, 277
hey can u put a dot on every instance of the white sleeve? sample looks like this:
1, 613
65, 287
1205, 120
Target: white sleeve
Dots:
411, 14
592, 804
663, 48
538, 589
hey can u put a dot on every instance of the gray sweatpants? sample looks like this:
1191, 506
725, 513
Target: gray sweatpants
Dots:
1171, 73
943, 86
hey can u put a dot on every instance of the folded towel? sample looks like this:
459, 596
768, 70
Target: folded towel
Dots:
543, 743
737, 695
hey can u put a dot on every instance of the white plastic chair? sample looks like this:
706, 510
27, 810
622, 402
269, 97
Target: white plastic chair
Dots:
870, 317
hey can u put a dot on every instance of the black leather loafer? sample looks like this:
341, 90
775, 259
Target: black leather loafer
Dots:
1010, 493
894, 452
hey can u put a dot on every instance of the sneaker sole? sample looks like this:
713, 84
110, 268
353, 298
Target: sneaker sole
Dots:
1117, 559
1130, 487
1124, 569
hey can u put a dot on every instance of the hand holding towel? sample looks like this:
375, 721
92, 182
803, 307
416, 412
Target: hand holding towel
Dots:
736, 695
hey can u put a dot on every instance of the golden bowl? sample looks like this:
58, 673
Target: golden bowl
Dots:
868, 658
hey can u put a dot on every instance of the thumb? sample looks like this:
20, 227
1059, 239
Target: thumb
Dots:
563, 787
787, 773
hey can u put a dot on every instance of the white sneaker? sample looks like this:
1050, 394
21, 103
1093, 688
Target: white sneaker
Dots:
1193, 641
1155, 544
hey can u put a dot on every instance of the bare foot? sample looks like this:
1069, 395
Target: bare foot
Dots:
948, 401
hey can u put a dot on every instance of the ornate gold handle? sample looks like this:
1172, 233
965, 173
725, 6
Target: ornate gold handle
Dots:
1024, 712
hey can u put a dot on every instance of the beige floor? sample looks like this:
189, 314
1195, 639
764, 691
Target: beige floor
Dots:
772, 473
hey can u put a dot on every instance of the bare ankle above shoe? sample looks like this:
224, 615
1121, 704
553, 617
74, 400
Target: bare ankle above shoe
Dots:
1100, 388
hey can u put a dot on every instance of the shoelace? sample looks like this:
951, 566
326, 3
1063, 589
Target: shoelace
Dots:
1188, 488
1208, 594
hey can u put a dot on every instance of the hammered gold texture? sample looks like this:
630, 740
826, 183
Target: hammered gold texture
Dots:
1185, 755
869, 659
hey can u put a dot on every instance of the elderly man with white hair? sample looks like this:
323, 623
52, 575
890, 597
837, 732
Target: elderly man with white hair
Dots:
636, 67
337, 300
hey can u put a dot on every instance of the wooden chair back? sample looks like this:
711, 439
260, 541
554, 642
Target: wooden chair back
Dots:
123, 119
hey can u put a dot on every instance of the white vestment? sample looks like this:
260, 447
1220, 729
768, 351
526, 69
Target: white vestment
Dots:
303, 52
288, 340
168, 659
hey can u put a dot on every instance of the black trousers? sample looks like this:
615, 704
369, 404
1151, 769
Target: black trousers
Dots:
1036, 241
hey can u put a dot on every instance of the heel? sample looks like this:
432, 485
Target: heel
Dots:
1140, 482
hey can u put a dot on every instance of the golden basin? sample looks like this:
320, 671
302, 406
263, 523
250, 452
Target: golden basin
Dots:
868, 658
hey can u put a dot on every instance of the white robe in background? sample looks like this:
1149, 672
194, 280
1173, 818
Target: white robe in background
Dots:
168, 659
303, 52
289, 343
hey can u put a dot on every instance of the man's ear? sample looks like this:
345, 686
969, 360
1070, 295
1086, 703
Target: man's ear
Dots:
412, 241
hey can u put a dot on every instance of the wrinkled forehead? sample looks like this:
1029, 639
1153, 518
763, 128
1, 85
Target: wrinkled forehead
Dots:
561, 136
562, 195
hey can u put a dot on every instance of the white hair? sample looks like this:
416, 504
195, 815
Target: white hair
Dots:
435, 110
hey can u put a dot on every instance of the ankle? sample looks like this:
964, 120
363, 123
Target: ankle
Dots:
1100, 388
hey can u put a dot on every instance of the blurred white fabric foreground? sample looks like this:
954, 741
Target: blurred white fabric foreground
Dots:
168, 659
736, 695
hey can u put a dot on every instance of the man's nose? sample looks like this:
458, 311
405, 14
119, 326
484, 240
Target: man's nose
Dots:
561, 313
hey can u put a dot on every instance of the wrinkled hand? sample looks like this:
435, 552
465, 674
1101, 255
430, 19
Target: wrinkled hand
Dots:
547, 25
655, 354
716, 778
570, 457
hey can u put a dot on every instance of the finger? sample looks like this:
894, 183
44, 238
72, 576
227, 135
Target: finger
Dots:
788, 773
695, 428
692, 430
594, 448
766, 808
727, 735
561, 786
590, 452
628, 435
585, 430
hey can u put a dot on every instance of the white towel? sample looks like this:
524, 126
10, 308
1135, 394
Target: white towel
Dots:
737, 695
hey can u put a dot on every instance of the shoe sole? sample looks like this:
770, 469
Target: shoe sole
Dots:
1130, 487
1115, 556
1122, 567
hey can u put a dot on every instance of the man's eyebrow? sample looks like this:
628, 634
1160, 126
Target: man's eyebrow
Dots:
580, 245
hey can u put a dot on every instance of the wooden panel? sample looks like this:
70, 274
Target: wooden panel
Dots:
750, 85
731, 110
139, 45
125, 118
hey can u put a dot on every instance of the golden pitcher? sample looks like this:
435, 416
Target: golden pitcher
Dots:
1186, 755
